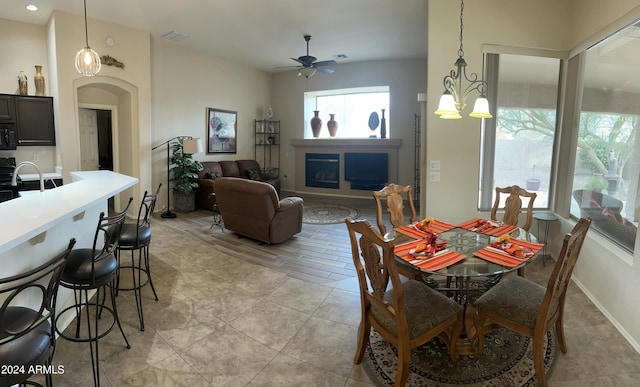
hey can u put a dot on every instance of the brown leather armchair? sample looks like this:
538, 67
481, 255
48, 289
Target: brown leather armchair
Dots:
253, 209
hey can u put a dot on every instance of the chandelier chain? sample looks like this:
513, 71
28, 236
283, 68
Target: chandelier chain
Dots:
461, 51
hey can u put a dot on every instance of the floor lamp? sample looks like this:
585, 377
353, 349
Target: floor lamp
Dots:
190, 146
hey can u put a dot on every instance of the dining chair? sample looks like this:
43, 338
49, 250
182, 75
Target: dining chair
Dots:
513, 205
393, 193
407, 314
27, 335
530, 309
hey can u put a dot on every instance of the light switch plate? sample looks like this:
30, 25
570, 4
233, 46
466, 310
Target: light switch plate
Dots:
434, 165
434, 177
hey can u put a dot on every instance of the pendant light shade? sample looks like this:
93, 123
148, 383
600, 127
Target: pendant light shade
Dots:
87, 60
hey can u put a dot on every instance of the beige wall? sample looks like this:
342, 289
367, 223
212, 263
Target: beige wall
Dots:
22, 46
405, 78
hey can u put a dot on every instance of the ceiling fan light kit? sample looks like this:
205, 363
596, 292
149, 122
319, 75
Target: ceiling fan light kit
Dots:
310, 65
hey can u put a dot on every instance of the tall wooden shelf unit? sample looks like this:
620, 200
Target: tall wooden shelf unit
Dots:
267, 145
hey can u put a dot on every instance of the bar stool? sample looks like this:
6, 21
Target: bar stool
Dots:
137, 237
27, 336
94, 269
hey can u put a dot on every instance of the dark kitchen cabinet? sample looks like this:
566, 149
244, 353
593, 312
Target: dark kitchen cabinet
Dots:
7, 108
34, 120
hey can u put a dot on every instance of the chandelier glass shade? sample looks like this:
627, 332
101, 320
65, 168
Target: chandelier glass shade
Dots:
87, 60
453, 100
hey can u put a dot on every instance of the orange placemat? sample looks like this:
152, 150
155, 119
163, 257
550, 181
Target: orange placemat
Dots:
437, 226
472, 225
500, 257
439, 260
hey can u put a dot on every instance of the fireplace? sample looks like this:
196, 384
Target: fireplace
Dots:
322, 170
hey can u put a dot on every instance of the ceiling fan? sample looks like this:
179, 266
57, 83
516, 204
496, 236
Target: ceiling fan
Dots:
309, 65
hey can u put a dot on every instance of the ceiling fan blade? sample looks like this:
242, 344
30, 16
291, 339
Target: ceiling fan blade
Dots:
299, 61
326, 63
324, 70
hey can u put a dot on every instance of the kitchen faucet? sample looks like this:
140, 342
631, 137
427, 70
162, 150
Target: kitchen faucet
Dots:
14, 179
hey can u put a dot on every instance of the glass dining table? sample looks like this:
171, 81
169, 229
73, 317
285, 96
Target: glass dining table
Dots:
465, 269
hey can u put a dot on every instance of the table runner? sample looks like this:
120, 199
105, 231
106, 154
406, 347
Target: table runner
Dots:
471, 225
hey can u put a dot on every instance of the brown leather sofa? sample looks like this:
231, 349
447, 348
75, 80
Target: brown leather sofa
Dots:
253, 209
246, 169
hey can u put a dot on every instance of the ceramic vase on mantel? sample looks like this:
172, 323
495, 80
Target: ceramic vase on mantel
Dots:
39, 81
23, 86
383, 126
332, 125
316, 124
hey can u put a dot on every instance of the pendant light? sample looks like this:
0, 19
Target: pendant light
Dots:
87, 60
453, 100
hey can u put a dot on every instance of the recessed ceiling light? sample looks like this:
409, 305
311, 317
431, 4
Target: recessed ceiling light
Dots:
32, 7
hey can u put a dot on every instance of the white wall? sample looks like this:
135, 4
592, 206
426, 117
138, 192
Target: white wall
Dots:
405, 78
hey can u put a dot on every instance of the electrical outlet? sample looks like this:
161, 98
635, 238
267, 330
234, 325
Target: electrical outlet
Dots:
434, 165
434, 177
35, 156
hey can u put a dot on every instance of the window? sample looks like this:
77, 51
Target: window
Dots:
605, 181
351, 108
518, 142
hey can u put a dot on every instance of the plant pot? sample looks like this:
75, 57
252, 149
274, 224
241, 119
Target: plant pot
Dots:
533, 184
184, 202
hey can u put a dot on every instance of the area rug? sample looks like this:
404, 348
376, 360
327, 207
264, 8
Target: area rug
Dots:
324, 213
506, 361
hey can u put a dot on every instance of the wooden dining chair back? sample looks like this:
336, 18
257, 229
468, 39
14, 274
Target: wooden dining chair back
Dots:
513, 205
405, 313
393, 194
531, 309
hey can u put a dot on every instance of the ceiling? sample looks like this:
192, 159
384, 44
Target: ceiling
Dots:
263, 34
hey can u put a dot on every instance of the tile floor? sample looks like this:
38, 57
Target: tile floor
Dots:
233, 312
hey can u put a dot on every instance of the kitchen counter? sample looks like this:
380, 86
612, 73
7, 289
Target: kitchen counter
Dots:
30, 215
39, 225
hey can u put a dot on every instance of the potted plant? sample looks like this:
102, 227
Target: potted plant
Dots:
184, 175
533, 184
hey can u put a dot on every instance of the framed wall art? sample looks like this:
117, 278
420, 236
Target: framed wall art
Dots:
221, 131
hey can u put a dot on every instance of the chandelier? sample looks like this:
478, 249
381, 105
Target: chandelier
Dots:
453, 100
87, 60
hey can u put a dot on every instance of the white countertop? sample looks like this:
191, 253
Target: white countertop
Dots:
36, 177
28, 216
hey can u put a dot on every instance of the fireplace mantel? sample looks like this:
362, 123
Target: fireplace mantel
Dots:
347, 142
342, 146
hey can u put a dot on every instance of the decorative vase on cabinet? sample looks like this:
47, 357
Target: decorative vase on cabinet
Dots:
316, 124
23, 86
332, 125
39, 81
383, 126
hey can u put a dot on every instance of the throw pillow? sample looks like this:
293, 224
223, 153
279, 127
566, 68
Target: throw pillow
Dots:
211, 176
254, 174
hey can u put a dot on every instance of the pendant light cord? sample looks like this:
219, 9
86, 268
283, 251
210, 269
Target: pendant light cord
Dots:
86, 31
